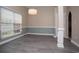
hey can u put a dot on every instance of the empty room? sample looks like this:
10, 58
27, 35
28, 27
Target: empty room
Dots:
39, 29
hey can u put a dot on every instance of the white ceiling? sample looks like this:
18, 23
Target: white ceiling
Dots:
38, 6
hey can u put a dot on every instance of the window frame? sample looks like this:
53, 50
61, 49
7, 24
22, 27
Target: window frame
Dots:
14, 24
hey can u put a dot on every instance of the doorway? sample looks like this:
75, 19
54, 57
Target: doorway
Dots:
70, 25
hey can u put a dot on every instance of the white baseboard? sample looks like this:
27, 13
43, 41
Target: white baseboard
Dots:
43, 34
75, 43
6, 41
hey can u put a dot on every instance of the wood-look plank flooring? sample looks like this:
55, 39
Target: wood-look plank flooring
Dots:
37, 44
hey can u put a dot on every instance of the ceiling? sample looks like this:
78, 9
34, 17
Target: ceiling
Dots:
38, 6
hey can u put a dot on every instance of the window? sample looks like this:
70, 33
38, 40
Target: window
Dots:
11, 23
32, 11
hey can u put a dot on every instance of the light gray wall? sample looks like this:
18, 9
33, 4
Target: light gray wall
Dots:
43, 22
75, 23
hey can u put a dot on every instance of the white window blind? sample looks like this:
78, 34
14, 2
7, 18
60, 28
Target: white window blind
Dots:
11, 23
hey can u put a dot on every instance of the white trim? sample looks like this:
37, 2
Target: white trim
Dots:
60, 29
60, 45
39, 27
43, 34
75, 43
6, 41
60, 33
60, 38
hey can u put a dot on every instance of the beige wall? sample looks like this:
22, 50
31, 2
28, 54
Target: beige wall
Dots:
66, 22
44, 17
75, 23
21, 10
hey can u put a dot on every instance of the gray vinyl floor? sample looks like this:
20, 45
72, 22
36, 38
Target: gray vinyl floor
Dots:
37, 44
